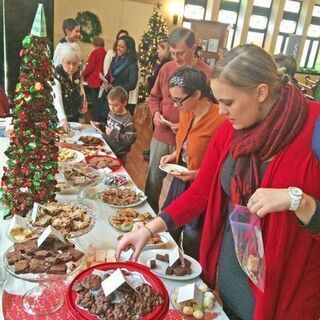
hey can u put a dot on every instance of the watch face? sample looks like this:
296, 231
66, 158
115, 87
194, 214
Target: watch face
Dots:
295, 191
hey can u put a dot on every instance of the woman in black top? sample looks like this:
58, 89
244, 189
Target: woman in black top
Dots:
123, 71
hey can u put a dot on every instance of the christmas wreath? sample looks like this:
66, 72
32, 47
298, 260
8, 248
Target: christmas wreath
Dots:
89, 24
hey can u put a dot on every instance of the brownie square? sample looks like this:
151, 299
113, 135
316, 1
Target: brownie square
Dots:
58, 268
37, 266
21, 266
41, 254
64, 256
13, 257
76, 254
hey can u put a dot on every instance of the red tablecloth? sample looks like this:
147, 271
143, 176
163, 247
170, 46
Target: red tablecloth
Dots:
12, 310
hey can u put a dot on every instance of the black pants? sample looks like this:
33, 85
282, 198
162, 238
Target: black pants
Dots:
94, 92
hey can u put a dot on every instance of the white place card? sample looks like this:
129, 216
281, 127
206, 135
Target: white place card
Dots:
50, 231
126, 255
36, 207
190, 292
18, 221
174, 255
113, 282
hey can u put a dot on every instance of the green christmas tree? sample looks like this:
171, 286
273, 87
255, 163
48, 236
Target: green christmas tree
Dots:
32, 155
156, 32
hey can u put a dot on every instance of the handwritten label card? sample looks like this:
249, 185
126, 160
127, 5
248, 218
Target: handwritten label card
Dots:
190, 292
114, 281
174, 255
50, 231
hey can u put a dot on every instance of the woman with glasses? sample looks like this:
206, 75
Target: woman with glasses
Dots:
199, 119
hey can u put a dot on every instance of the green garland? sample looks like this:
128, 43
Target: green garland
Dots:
89, 24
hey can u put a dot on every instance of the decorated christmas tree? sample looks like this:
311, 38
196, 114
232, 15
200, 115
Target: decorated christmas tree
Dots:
156, 32
32, 155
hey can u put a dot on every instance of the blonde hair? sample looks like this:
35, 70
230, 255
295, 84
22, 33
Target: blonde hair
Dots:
246, 67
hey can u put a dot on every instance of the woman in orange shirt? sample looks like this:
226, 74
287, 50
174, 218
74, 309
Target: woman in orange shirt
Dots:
199, 119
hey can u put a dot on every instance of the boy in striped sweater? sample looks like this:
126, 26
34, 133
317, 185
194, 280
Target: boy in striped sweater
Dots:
119, 131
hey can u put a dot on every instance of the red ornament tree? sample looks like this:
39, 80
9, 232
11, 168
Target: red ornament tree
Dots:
32, 155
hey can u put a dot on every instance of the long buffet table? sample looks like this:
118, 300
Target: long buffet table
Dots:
102, 236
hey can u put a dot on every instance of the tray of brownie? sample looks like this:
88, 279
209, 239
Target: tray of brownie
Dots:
145, 298
54, 260
158, 261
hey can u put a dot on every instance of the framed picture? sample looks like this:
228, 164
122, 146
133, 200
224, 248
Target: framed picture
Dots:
213, 45
211, 62
204, 44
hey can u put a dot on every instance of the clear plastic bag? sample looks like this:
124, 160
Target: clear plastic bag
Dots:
248, 244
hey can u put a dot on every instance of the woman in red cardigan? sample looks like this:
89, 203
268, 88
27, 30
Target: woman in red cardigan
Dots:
199, 118
266, 156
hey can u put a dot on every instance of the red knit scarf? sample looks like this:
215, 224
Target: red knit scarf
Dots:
257, 144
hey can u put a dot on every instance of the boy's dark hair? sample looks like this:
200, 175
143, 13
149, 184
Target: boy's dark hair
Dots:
191, 79
98, 42
288, 62
69, 24
118, 93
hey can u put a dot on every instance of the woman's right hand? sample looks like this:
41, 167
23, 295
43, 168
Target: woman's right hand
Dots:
167, 159
135, 240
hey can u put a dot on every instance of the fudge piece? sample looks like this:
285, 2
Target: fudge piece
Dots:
161, 257
153, 264
58, 268
180, 271
169, 271
13, 257
21, 266
37, 266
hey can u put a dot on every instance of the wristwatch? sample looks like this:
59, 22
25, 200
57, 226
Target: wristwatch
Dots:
295, 194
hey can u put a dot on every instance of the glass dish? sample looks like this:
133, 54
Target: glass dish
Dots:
72, 234
45, 290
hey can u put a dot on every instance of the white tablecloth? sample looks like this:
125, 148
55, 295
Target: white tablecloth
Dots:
103, 235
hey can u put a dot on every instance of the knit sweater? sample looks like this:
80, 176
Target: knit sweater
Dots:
159, 100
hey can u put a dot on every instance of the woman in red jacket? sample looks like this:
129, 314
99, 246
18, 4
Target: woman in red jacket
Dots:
266, 156
91, 73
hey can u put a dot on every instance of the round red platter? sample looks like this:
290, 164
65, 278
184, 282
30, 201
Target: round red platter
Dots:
157, 314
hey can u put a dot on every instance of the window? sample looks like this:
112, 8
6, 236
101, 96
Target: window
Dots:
288, 24
194, 9
228, 13
259, 22
311, 47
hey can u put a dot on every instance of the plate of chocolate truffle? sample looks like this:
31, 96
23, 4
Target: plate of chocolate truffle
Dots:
185, 268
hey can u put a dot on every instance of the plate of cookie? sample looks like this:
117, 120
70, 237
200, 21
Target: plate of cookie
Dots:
125, 218
104, 161
69, 156
71, 219
147, 298
158, 261
173, 169
91, 141
122, 197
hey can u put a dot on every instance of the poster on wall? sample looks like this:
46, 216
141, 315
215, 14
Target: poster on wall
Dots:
213, 45
204, 44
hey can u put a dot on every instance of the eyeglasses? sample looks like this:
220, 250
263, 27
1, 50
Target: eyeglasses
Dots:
179, 102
